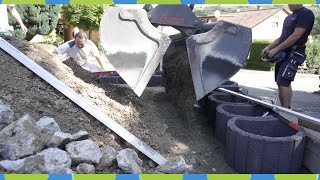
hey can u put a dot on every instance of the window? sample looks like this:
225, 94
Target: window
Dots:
275, 21
275, 24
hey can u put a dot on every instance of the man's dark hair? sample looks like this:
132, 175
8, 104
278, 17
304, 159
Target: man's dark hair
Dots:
80, 35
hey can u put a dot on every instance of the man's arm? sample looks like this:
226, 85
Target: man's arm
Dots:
264, 52
17, 17
304, 21
96, 54
273, 44
100, 60
64, 48
291, 40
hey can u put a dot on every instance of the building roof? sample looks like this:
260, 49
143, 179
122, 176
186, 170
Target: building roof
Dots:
250, 18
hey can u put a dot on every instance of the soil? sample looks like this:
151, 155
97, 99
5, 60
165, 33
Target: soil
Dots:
151, 117
179, 85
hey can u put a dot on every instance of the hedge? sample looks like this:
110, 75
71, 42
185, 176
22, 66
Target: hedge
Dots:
254, 61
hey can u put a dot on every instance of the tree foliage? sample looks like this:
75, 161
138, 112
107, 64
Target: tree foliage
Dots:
39, 19
83, 16
316, 26
313, 55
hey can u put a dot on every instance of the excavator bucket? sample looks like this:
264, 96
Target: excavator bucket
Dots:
132, 45
215, 56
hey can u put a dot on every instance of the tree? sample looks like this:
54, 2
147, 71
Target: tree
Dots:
316, 26
83, 16
39, 19
313, 55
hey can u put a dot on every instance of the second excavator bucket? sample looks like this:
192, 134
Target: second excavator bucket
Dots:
132, 45
215, 56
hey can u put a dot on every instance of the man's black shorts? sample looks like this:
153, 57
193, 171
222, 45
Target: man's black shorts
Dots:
286, 70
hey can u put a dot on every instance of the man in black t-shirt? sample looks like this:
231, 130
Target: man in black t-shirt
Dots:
288, 51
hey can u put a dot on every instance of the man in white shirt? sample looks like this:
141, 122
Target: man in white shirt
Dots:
5, 28
84, 52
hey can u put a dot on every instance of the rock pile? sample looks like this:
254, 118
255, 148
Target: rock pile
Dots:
30, 146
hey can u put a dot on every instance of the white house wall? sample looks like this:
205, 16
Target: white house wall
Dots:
266, 31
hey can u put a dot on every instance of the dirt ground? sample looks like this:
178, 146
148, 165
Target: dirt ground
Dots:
152, 117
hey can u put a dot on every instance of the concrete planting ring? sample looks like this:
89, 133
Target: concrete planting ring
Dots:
217, 98
225, 112
230, 85
267, 145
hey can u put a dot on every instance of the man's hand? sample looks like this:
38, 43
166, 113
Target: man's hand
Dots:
272, 53
100, 61
16, 15
264, 52
24, 28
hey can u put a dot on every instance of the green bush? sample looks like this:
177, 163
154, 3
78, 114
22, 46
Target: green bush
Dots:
83, 16
254, 61
39, 19
59, 40
313, 55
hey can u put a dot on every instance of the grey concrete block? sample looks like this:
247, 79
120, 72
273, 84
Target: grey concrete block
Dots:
225, 112
311, 159
230, 85
263, 145
308, 124
217, 98
255, 147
